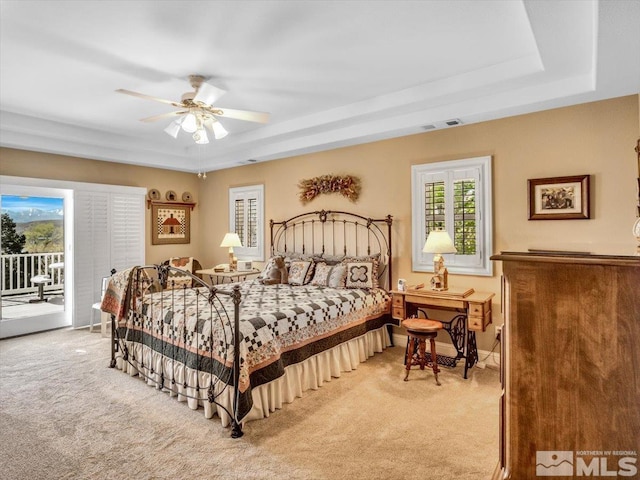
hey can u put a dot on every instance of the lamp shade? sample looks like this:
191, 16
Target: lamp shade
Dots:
174, 128
218, 130
190, 124
231, 240
439, 241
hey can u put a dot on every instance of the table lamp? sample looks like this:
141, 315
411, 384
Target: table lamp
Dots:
439, 242
231, 240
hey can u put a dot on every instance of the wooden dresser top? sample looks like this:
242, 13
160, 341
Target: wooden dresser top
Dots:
573, 258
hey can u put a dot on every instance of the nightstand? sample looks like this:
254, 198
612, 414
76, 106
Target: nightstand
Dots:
221, 277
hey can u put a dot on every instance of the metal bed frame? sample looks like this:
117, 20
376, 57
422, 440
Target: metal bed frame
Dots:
315, 233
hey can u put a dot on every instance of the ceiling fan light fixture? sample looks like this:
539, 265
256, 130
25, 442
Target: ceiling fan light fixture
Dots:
190, 124
174, 128
218, 130
197, 112
200, 136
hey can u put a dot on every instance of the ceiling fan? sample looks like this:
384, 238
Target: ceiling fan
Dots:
196, 111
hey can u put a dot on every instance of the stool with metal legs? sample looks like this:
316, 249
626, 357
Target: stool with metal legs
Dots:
40, 281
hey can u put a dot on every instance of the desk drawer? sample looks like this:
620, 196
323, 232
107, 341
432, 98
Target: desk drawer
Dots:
435, 302
397, 300
397, 313
479, 309
479, 322
397, 307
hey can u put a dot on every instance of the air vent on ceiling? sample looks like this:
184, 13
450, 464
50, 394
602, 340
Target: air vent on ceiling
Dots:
428, 127
453, 122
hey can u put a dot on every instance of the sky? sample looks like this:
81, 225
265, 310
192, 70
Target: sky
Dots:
15, 202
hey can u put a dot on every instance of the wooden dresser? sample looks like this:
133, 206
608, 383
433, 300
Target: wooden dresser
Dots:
570, 364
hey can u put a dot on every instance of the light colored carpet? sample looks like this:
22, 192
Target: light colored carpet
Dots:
65, 415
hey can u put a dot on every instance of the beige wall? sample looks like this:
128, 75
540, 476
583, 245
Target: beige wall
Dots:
21, 163
596, 139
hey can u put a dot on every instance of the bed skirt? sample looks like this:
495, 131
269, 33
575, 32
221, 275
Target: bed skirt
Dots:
309, 374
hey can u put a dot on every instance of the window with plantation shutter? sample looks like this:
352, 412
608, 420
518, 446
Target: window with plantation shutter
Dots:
246, 218
454, 196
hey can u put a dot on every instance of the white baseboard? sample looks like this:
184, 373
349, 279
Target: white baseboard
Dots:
486, 358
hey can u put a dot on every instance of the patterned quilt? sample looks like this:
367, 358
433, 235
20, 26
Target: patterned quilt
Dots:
279, 324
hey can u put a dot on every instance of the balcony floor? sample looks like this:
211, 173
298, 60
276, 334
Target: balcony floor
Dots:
18, 306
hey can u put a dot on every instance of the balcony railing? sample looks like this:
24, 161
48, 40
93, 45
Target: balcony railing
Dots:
18, 269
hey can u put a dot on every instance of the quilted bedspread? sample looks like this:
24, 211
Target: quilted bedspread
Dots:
277, 322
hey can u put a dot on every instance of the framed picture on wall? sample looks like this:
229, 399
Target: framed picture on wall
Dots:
170, 224
559, 198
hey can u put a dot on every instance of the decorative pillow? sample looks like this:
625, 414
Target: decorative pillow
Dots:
309, 275
373, 259
359, 275
295, 257
329, 259
321, 275
176, 279
298, 271
329, 275
338, 276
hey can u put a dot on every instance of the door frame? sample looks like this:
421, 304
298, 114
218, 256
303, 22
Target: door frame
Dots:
41, 188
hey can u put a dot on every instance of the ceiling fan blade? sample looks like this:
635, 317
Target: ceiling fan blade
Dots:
149, 97
259, 117
163, 115
208, 94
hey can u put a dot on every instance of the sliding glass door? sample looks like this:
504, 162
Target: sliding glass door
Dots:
35, 238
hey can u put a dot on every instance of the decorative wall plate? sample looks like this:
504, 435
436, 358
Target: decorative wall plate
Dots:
187, 197
171, 196
154, 194
636, 229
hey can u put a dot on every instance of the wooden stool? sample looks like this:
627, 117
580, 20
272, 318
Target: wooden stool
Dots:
421, 329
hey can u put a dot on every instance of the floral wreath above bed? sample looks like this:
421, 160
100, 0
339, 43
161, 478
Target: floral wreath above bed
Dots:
347, 186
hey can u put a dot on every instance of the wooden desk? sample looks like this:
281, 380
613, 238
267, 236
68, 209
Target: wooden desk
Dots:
221, 276
474, 310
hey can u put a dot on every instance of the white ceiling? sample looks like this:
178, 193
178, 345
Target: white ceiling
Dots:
331, 74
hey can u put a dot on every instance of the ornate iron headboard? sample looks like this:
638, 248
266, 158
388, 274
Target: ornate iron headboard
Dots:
333, 232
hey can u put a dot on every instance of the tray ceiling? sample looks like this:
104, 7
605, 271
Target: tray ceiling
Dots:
331, 74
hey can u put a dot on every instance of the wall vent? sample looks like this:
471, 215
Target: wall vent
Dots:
245, 162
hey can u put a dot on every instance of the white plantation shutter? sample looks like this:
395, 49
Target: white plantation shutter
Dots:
127, 230
108, 233
455, 196
246, 218
91, 250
